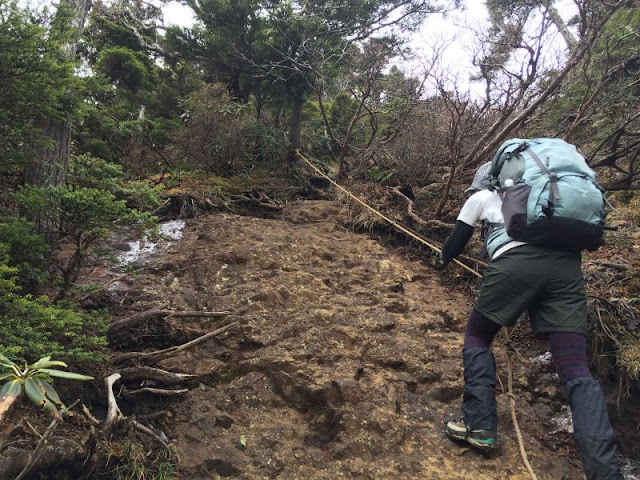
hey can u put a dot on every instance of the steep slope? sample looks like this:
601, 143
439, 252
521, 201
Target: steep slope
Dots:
345, 363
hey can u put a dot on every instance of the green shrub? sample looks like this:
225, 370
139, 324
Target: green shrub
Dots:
84, 214
26, 252
31, 328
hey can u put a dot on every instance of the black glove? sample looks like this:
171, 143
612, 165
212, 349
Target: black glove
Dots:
437, 262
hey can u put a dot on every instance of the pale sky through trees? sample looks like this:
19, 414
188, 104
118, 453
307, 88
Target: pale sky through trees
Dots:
455, 30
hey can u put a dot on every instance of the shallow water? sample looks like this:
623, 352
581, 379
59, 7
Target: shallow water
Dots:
141, 249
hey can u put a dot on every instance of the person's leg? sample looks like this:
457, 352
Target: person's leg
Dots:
592, 430
509, 285
479, 408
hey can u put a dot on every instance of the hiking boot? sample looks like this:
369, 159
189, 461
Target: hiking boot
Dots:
484, 439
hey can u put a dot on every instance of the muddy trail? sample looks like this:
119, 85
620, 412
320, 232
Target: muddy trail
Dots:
344, 360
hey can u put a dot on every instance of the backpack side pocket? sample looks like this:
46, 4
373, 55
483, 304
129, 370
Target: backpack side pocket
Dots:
514, 209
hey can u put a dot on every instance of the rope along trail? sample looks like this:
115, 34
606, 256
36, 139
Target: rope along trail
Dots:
381, 215
523, 452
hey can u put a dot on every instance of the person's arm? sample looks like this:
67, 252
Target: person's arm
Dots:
455, 243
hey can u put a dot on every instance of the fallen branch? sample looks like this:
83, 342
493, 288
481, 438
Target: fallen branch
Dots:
152, 357
136, 319
257, 199
155, 391
192, 314
416, 218
153, 374
142, 317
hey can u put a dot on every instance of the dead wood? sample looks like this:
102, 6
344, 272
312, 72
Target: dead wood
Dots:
153, 374
615, 266
115, 417
416, 218
195, 313
136, 319
142, 317
152, 357
155, 391
255, 199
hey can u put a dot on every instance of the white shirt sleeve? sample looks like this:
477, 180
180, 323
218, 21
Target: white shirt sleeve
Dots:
472, 210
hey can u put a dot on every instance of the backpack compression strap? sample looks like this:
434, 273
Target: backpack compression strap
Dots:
553, 178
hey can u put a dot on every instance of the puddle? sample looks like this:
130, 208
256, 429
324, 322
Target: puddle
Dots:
563, 423
631, 469
543, 360
141, 249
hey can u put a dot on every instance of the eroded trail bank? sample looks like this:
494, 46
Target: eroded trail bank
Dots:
345, 362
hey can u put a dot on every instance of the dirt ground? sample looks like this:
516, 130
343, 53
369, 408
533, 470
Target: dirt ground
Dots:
345, 362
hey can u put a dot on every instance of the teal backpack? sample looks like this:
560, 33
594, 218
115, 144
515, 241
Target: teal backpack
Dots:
550, 196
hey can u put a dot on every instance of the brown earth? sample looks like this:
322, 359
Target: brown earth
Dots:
345, 363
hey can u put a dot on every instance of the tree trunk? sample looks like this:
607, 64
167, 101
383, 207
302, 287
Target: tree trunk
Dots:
296, 122
49, 165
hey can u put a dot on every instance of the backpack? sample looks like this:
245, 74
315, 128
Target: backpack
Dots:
550, 196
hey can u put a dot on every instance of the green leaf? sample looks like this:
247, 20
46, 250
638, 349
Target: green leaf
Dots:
40, 363
37, 394
62, 374
34, 393
5, 361
243, 440
49, 392
4, 376
11, 389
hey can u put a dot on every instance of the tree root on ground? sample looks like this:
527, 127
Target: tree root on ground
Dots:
154, 357
141, 317
255, 199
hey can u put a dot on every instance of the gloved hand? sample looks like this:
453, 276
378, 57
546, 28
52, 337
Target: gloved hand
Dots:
437, 262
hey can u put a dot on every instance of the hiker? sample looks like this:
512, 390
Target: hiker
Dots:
548, 284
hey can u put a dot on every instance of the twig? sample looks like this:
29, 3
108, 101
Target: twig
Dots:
42, 444
155, 391
415, 217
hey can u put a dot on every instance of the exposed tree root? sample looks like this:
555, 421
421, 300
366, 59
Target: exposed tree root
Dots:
255, 199
115, 417
153, 357
153, 374
155, 312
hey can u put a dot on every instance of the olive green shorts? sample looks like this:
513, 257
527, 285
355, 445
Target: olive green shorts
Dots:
546, 283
